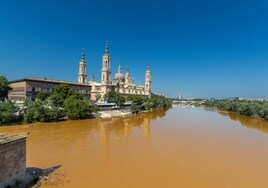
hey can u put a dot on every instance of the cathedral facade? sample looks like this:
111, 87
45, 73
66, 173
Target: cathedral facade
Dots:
122, 83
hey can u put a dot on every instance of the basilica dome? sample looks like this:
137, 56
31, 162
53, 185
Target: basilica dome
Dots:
119, 75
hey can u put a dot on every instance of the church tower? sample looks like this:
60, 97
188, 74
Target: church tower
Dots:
127, 77
106, 71
82, 75
148, 81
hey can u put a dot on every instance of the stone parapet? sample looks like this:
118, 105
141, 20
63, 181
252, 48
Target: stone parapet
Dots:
12, 158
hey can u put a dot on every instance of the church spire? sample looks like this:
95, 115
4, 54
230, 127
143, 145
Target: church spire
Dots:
148, 81
92, 78
83, 55
106, 48
119, 70
106, 71
82, 75
148, 67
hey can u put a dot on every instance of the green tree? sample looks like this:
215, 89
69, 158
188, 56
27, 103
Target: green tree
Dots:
4, 88
42, 96
115, 97
149, 104
61, 92
76, 108
41, 111
98, 96
9, 113
134, 108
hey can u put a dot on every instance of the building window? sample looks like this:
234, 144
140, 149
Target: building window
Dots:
33, 89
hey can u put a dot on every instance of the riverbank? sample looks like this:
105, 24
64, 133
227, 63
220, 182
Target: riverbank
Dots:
257, 109
75, 107
113, 113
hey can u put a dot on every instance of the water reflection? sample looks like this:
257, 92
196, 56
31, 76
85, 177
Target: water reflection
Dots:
250, 122
113, 128
122, 127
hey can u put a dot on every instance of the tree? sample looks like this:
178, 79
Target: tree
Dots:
76, 108
115, 97
134, 108
61, 93
41, 111
98, 96
4, 88
9, 113
149, 104
42, 96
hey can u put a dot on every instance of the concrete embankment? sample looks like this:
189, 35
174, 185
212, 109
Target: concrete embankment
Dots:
114, 113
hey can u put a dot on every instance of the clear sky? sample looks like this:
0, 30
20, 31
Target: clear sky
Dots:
197, 48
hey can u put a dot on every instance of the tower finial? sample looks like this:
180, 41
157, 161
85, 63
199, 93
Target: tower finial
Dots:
106, 47
148, 67
119, 69
83, 54
93, 78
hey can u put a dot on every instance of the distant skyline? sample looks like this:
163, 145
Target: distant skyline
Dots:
195, 48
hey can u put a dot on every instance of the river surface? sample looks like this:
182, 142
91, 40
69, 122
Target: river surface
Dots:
181, 147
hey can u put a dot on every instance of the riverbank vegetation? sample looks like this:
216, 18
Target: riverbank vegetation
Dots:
61, 104
4, 88
9, 113
64, 103
139, 103
257, 109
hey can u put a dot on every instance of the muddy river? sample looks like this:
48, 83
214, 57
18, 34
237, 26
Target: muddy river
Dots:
181, 147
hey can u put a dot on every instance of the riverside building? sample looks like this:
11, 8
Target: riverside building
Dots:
28, 88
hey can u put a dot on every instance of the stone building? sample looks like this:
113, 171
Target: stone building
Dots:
28, 88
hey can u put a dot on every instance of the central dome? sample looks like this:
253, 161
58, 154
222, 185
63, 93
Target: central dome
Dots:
119, 75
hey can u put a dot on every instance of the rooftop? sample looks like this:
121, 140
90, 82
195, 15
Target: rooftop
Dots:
49, 81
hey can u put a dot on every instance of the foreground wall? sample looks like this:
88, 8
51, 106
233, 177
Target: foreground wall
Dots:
12, 158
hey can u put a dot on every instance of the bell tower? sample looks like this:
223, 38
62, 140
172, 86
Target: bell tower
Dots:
106, 71
127, 77
148, 81
82, 75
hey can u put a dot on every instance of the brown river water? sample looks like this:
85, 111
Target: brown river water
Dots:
178, 148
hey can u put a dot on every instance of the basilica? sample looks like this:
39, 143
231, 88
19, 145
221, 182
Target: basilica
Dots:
122, 83
28, 88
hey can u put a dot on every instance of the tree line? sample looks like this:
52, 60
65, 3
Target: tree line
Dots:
257, 109
64, 103
139, 103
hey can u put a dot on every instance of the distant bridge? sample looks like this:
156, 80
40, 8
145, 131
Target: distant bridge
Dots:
187, 103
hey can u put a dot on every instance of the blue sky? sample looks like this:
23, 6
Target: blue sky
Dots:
195, 48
